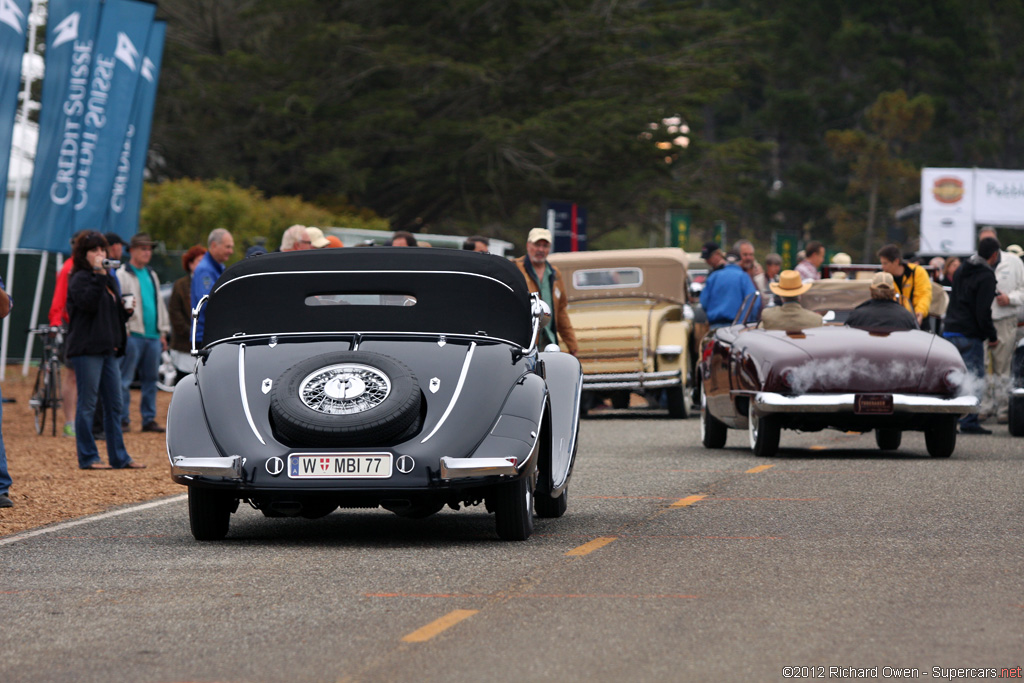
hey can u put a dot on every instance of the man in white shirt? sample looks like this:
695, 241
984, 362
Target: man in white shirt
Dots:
814, 256
1009, 297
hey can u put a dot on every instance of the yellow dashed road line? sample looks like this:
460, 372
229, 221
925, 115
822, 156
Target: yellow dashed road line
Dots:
759, 468
689, 500
590, 547
424, 634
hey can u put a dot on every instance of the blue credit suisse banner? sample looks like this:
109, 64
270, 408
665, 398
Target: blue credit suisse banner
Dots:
126, 195
117, 61
70, 36
13, 23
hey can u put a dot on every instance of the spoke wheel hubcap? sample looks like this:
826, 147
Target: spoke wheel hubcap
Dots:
344, 389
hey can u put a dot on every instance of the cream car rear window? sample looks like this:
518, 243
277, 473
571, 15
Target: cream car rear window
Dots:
605, 278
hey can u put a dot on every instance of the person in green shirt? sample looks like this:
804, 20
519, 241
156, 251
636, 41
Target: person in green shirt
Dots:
148, 329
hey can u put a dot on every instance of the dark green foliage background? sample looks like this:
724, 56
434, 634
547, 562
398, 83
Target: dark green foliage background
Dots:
464, 115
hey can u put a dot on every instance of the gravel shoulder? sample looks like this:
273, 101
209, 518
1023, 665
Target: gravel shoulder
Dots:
48, 486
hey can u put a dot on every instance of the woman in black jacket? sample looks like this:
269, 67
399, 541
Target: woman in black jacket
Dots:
96, 339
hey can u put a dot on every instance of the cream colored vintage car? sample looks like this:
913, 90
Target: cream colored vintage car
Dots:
633, 324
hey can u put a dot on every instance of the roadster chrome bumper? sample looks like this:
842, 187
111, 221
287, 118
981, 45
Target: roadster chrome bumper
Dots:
229, 468
632, 380
460, 468
767, 402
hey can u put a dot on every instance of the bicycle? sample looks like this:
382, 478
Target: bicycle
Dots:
46, 396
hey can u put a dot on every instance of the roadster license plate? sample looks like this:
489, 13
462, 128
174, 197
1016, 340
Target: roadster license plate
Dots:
348, 466
873, 404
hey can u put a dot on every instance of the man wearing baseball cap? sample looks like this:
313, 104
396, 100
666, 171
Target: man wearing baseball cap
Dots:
316, 237
882, 312
544, 278
725, 289
148, 329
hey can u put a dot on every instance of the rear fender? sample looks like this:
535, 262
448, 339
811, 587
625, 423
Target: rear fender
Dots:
564, 383
187, 432
516, 432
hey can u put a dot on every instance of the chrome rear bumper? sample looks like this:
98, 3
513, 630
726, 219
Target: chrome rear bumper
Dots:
229, 468
767, 402
461, 468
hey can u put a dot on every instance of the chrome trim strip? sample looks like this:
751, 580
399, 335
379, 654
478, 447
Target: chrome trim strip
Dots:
635, 376
229, 468
768, 402
455, 396
245, 397
365, 336
656, 384
461, 468
363, 272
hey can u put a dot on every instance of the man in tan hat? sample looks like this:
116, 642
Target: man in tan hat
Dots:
882, 312
790, 315
317, 240
544, 278
149, 327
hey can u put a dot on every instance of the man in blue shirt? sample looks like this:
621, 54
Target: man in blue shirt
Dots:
148, 330
725, 289
220, 246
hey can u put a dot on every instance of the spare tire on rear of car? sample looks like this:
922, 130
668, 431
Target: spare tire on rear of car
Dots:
345, 398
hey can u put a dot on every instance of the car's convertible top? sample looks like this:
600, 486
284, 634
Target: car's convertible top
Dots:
367, 290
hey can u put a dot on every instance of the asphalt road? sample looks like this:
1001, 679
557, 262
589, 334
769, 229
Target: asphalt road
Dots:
673, 562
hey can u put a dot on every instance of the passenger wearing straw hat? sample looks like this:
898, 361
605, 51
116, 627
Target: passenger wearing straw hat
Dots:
790, 315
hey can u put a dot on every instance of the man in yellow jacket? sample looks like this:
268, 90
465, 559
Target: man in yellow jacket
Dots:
912, 281
544, 278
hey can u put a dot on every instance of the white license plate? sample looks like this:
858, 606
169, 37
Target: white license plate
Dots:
348, 466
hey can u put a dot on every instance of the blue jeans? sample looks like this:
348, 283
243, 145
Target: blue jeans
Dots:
973, 352
99, 376
142, 354
5, 478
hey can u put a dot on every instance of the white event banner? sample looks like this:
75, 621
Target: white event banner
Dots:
947, 210
998, 197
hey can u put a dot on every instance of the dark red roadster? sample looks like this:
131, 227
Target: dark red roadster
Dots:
834, 376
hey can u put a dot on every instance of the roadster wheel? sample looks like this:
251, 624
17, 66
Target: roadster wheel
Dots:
513, 509
549, 507
1016, 416
677, 402
347, 398
940, 437
764, 433
712, 432
209, 513
888, 439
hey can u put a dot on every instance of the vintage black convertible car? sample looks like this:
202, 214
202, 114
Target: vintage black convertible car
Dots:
402, 378
764, 381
